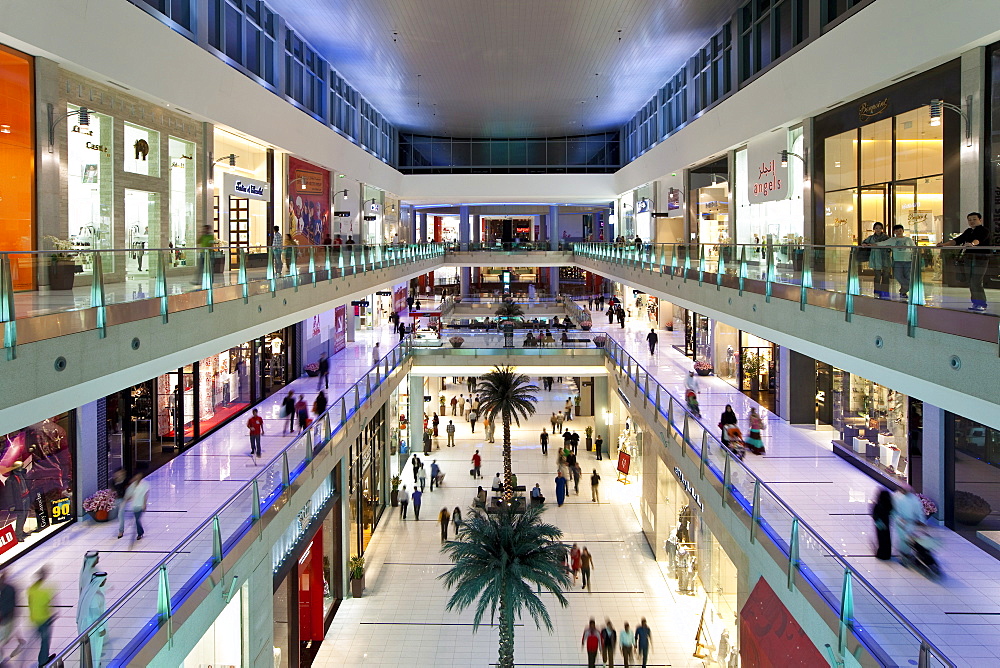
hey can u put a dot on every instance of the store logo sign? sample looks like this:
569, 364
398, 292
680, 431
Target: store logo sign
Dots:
97, 147
688, 487
244, 188
767, 180
8, 538
869, 110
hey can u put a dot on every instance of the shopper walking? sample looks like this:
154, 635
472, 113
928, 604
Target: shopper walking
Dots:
119, 482
422, 477
599, 445
277, 245
136, 498
554, 421
376, 355
882, 516
879, 261
320, 403
652, 339
586, 566
454, 406
8, 619
288, 411
753, 441
543, 438
415, 463
609, 641
560, 489
568, 409
444, 517
435, 421
255, 428
435, 471
574, 561
449, 429
574, 442
727, 419
404, 502
417, 496
627, 640
477, 465
976, 260
323, 372
302, 411
473, 416
595, 480
490, 426
577, 473
456, 519
643, 640
468, 408
40, 596
591, 642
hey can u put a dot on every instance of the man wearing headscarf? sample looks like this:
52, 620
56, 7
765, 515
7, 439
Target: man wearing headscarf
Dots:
92, 605
89, 568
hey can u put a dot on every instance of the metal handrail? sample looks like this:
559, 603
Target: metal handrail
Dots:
612, 343
402, 349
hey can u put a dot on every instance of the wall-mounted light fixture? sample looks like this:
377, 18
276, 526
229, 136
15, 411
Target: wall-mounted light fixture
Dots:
302, 179
784, 158
937, 111
231, 158
84, 118
341, 192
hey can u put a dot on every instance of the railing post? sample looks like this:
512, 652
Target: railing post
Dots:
720, 267
727, 476
327, 264
742, 274
670, 417
853, 284
687, 261
207, 282
755, 512
769, 273
685, 434
704, 455
807, 276
357, 397
160, 285
97, 296
241, 273
846, 610
310, 444
312, 265
657, 398
7, 313
286, 477
702, 265
368, 385
924, 659
663, 258
343, 411
255, 500
793, 553
163, 608
272, 278
293, 267
915, 297
645, 392
216, 541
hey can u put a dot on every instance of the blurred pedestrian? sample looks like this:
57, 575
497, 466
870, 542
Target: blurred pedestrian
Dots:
586, 565
882, 516
560, 489
595, 480
40, 596
119, 482
404, 502
319, 405
609, 641
592, 642
90, 608
323, 372
477, 465
574, 561
302, 411
456, 519
136, 498
288, 411
443, 518
435, 470
544, 440
576, 472
8, 619
422, 477
417, 496
255, 429
627, 640
643, 640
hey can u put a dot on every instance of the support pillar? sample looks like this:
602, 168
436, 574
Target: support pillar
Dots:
88, 452
796, 387
423, 238
463, 226
477, 229
464, 280
600, 407
415, 413
553, 224
937, 461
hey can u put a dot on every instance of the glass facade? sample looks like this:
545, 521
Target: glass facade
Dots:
225, 642
90, 184
37, 495
366, 483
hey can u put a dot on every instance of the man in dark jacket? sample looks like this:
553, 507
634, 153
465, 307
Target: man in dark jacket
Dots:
652, 339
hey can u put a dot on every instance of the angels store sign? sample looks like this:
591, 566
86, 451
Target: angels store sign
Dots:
767, 179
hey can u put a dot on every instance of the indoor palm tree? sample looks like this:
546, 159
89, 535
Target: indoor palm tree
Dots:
510, 395
509, 310
503, 561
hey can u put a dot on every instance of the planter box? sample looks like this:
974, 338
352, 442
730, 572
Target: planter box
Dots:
62, 274
357, 586
703, 372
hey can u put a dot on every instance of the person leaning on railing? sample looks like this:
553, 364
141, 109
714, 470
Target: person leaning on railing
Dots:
977, 260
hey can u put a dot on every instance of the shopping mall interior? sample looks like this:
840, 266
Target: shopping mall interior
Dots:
742, 253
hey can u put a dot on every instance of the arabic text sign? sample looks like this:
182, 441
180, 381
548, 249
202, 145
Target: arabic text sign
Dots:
767, 180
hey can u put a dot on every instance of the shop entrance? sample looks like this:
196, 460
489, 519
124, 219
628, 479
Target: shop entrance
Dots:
142, 223
758, 369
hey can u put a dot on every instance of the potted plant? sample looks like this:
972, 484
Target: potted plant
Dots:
703, 368
576, 405
456, 341
356, 568
585, 325
394, 492
311, 369
62, 267
458, 299
930, 506
600, 340
753, 364
970, 509
590, 443
100, 504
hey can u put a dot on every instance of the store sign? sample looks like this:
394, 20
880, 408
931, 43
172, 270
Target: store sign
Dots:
242, 187
673, 199
342, 214
8, 538
870, 110
624, 462
767, 180
688, 487
645, 205
339, 329
307, 181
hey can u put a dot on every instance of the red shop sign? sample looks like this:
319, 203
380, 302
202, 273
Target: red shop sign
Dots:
624, 460
8, 538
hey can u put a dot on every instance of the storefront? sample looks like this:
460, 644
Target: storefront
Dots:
17, 169
696, 565
324, 333
38, 483
242, 213
225, 643
372, 215
507, 229
769, 194
884, 158
131, 173
878, 429
758, 369
708, 199
366, 483
973, 486
698, 334
308, 565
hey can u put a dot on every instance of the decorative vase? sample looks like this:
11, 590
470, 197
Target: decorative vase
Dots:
970, 517
703, 372
394, 498
98, 515
457, 344
62, 274
357, 586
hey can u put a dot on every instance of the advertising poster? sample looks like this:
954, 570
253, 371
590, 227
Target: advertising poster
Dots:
399, 298
308, 202
339, 329
770, 636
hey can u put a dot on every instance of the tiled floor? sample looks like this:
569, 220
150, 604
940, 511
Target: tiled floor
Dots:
402, 620
185, 492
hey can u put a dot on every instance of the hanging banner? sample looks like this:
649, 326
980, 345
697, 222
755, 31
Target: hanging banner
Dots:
767, 180
308, 202
339, 328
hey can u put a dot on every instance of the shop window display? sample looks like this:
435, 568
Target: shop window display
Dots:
975, 497
36, 472
142, 150
142, 223
90, 185
183, 184
224, 643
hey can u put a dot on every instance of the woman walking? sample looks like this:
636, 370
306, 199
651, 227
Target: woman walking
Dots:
881, 515
753, 442
560, 488
444, 518
456, 519
728, 418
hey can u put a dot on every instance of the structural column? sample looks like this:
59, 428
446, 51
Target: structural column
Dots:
553, 225
415, 410
937, 462
796, 387
600, 408
476, 229
423, 227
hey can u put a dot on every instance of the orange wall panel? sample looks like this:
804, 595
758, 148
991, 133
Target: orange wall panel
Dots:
17, 161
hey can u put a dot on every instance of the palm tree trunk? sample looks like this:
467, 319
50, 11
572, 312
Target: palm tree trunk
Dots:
508, 487
506, 659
